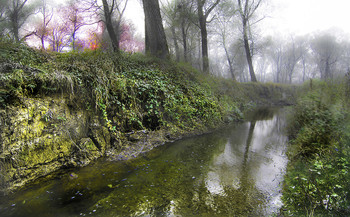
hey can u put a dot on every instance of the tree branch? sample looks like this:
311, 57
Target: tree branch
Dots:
211, 9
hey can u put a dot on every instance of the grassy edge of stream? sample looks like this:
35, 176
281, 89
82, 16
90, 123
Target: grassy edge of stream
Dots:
317, 177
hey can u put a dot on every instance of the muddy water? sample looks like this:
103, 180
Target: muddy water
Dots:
235, 171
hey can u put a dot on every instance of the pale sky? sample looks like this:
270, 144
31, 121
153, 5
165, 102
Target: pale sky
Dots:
284, 16
134, 12
305, 16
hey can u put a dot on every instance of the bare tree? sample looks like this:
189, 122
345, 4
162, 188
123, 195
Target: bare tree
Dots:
42, 30
171, 14
156, 43
180, 18
289, 57
327, 52
114, 9
304, 46
75, 20
225, 14
247, 9
3, 24
187, 18
203, 14
345, 60
111, 12
16, 13
78, 16
239, 60
58, 37
293, 55
275, 52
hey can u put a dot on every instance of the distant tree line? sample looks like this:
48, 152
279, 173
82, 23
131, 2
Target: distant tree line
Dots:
211, 21
323, 55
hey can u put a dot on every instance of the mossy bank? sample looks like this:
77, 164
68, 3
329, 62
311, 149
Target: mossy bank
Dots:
65, 110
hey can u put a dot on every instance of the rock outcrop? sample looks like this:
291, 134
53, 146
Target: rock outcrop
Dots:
38, 136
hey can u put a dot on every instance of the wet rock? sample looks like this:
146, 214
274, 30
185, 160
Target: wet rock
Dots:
136, 136
138, 142
85, 152
42, 135
101, 137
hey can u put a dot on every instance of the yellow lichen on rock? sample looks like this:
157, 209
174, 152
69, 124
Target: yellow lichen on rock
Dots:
41, 135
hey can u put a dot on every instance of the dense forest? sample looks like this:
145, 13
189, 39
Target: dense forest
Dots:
77, 83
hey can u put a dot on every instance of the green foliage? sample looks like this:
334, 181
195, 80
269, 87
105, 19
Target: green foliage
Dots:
316, 118
130, 92
318, 188
316, 183
20, 53
314, 125
140, 92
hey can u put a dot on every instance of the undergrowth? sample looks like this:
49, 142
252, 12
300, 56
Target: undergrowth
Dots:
129, 91
316, 182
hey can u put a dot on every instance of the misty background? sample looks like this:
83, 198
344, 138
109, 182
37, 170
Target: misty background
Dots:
290, 41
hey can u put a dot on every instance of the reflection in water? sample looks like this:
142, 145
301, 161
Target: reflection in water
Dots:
234, 172
254, 167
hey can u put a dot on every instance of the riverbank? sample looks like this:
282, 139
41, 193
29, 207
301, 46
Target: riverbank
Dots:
61, 110
317, 178
232, 171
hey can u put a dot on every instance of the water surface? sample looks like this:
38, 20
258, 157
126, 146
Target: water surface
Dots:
235, 171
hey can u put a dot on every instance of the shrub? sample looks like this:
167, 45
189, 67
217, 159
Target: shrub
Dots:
313, 125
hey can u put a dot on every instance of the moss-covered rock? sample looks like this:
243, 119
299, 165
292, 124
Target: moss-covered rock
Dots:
44, 134
101, 137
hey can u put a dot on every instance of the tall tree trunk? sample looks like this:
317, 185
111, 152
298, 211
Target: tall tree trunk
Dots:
177, 50
14, 17
16, 32
112, 35
228, 57
204, 36
230, 63
73, 39
248, 53
184, 40
327, 71
156, 43
42, 42
15, 27
304, 70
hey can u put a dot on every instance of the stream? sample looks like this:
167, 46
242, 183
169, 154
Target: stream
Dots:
235, 171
